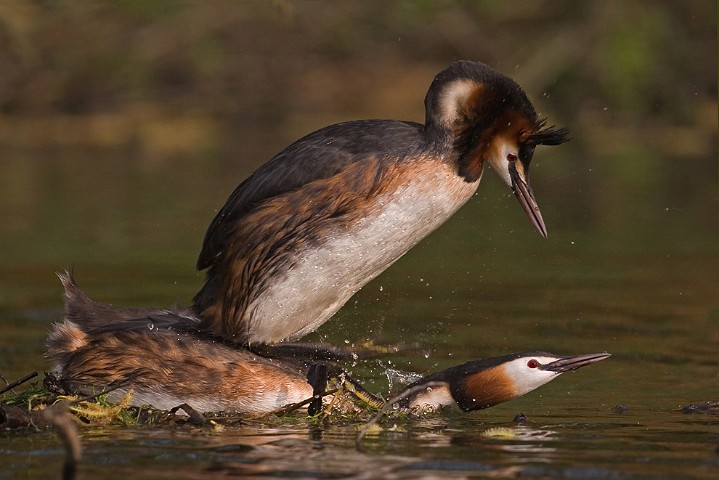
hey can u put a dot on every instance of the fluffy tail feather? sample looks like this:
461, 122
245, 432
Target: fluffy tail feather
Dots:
62, 342
85, 317
88, 314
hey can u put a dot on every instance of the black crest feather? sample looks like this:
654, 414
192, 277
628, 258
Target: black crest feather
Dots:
552, 135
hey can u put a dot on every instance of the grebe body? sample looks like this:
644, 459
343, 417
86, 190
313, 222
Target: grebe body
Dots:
162, 358
329, 213
352, 252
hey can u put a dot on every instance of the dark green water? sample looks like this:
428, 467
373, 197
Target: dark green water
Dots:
630, 267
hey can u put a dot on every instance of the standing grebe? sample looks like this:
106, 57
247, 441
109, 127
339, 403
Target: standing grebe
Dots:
329, 213
166, 362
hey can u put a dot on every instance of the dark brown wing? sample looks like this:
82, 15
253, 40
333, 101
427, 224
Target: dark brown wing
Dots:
319, 155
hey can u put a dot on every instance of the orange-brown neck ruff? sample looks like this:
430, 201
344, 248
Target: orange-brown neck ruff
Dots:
484, 389
479, 383
471, 390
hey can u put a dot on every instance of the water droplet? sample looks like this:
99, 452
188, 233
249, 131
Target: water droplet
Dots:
150, 326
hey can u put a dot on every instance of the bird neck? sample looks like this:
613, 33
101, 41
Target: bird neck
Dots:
482, 389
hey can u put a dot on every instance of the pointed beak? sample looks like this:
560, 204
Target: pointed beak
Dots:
572, 363
524, 194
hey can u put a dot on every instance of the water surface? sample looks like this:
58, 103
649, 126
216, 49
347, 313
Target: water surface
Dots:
637, 280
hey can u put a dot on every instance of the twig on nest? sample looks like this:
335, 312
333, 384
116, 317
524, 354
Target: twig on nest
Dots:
195, 417
18, 382
296, 406
94, 396
397, 398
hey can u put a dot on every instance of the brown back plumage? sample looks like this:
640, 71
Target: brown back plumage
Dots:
161, 355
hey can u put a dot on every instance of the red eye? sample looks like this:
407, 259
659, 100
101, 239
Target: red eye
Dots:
511, 157
532, 363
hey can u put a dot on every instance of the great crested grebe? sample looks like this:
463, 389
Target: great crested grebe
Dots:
329, 213
166, 362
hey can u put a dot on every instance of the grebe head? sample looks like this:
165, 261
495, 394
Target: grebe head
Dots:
489, 118
483, 383
532, 370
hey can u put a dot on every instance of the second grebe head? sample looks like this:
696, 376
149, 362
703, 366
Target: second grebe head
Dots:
483, 383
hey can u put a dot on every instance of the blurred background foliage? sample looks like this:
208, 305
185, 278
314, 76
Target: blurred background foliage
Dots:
184, 75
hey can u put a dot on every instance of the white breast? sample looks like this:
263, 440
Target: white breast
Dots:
325, 278
432, 399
